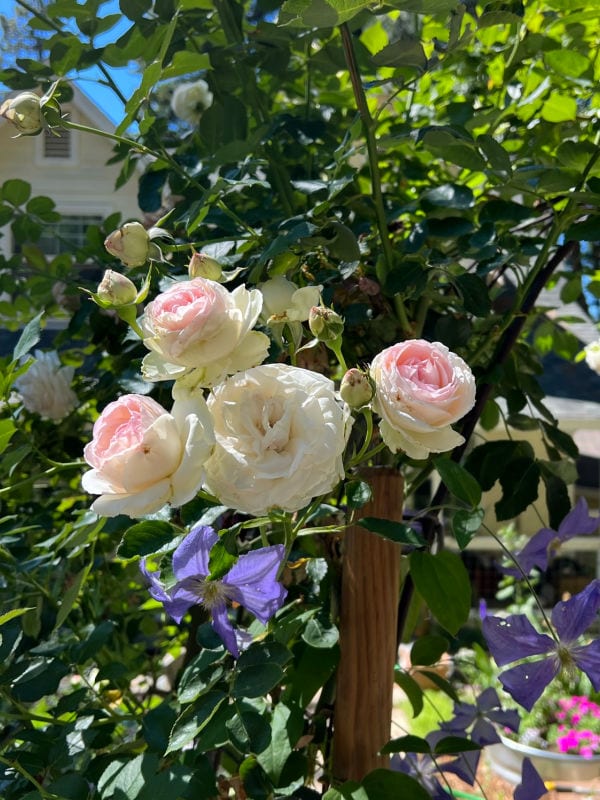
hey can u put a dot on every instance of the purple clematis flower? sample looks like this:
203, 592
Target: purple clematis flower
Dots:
514, 637
545, 543
251, 582
424, 770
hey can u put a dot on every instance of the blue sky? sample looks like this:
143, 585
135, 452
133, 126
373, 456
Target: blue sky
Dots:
88, 82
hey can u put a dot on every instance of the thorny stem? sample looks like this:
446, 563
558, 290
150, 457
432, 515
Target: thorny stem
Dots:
369, 130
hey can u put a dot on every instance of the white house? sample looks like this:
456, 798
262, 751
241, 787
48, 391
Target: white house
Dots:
72, 170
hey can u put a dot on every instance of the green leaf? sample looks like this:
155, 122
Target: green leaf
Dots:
195, 719
459, 481
316, 634
411, 689
29, 337
286, 729
16, 192
519, 488
496, 155
185, 62
200, 675
449, 195
559, 108
454, 744
474, 294
358, 493
586, 231
7, 429
70, 596
383, 784
394, 531
406, 744
443, 582
465, 524
257, 680
249, 731
145, 538
15, 612
319, 13
402, 53
569, 63
427, 650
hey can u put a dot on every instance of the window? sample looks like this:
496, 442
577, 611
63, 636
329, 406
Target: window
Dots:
67, 235
57, 146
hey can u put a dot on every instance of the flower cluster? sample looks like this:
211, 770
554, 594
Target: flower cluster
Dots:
578, 726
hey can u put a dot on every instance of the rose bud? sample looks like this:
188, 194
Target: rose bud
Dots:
25, 113
356, 389
325, 324
116, 289
130, 244
203, 266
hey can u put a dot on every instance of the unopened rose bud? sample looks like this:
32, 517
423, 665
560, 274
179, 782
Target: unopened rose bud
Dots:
325, 324
130, 244
356, 389
116, 289
203, 266
25, 113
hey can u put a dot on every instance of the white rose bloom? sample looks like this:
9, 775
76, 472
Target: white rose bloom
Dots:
280, 436
284, 303
190, 100
45, 388
592, 356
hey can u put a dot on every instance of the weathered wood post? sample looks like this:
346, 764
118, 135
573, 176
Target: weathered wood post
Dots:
368, 631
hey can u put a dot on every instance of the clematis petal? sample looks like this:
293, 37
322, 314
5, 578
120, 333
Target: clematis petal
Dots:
526, 682
587, 659
253, 581
223, 626
514, 637
506, 718
574, 616
190, 559
532, 787
578, 522
534, 554
488, 700
175, 607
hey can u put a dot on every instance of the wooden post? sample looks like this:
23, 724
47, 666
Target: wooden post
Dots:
368, 630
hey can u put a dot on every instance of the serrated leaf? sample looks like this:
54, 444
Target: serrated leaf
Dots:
358, 493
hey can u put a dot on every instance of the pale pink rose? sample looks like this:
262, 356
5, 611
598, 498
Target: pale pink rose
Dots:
143, 457
280, 436
199, 325
421, 388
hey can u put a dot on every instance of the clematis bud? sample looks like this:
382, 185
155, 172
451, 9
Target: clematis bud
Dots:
25, 113
116, 289
325, 324
356, 388
130, 244
203, 266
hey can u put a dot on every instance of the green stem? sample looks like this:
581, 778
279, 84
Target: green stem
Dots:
43, 475
28, 776
369, 131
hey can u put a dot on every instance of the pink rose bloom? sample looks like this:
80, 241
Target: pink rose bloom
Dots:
143, 457
421, 388
199, 325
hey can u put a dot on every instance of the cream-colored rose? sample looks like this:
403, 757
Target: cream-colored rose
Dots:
283, 301
190, 100
280, 435
143, 456
200, 325
592, 356
45, 388
421, 388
